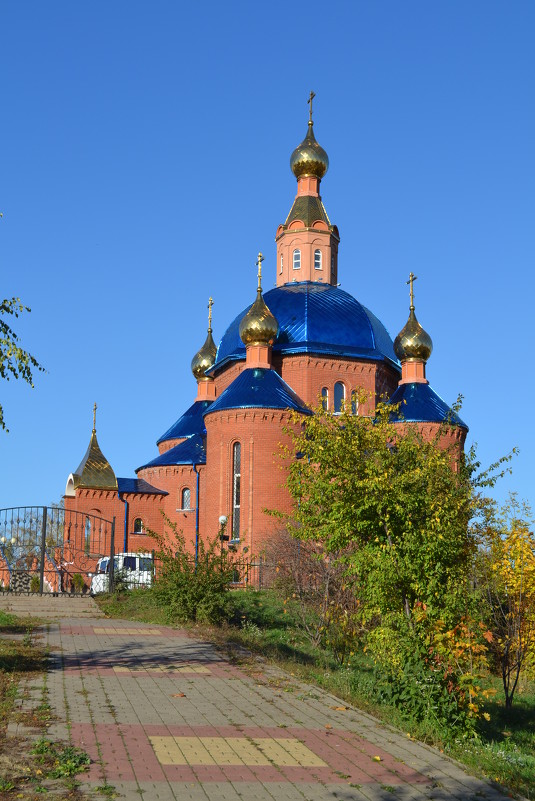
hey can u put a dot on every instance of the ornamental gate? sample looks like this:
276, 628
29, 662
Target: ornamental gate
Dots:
48, 549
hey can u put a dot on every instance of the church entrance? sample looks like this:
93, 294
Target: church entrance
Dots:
48, 549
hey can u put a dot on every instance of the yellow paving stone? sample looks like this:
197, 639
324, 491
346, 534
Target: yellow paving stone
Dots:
285, 752
161, 668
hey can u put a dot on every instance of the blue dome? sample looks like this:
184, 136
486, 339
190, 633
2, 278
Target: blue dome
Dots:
191, 422
418, 403
191, 451
258, 388
315, 318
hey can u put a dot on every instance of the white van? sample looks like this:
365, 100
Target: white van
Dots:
134, 570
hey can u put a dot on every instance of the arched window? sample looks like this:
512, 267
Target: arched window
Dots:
282, 262
339, 397
138, 526
325, 398
236, 490
185, 498
297, 259
354, 403
332, 266
317, 260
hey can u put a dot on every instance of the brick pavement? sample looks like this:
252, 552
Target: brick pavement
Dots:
164, 716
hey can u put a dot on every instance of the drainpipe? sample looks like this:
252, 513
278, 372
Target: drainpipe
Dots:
125, 543
196, 516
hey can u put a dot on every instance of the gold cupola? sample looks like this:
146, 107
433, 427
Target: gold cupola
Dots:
94, 471
259, 326
413, 343
309, 158
205, 357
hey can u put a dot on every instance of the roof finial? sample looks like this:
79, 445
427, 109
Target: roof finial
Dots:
311, 97
412, 279
259, 265
95, 419
210, 304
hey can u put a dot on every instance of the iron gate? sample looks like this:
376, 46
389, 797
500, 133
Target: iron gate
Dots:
51, 549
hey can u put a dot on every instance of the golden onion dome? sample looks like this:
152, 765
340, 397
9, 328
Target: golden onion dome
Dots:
205, 357
309, 158
413, 342
259, 326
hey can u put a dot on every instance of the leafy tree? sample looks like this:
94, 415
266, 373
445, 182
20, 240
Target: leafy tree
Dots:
507, 578
15, 362
403, 513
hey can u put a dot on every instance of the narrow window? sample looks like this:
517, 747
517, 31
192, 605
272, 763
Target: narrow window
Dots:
282, 262
332, 266
325, 398
87, 538
138, 526
317, 260
339, 397
354, 403
186, 498
297, 259
236, 490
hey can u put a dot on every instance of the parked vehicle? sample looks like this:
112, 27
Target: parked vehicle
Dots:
131, 570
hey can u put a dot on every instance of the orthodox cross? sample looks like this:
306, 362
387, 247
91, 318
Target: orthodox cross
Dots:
210, 304
412, 279
259, 265
94, 418
309, 102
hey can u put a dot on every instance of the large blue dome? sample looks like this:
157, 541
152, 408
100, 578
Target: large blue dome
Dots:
316, 318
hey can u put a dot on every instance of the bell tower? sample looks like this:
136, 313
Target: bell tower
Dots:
307, 242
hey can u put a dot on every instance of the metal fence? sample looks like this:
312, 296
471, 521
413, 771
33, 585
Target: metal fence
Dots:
51, 549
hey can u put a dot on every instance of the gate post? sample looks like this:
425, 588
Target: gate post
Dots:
43, 548
111, 583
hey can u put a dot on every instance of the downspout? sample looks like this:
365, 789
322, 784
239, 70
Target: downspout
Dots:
125, 543
196, 516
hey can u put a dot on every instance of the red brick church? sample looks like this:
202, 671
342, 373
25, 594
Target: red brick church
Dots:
303, 340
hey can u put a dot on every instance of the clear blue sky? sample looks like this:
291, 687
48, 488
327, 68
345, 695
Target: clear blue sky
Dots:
145, 160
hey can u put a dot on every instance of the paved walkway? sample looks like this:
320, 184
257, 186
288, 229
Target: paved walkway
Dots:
164, 716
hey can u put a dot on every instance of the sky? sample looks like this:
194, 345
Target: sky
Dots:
144, 162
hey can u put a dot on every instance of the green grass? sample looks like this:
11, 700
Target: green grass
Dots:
260, 621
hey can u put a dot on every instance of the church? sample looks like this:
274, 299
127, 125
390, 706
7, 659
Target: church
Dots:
218, 467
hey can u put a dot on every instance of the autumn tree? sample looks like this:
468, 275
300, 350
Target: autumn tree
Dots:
15, 362
507, 580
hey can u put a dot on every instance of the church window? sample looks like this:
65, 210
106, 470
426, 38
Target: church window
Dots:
138, 526
317, 260
87, 537
325, 398
282, 262
186, 498
354, 403
339, 397
332, 266
236, 490
297, 259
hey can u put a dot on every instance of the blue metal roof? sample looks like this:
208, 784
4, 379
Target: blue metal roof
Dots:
420, 404
258, 388
191, 422
191, 451
138, 485
316, 318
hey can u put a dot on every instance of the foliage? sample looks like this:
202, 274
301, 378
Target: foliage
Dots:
78, 582
35, 583
317, 591
507, 579
15, 362
192, 591
397, 512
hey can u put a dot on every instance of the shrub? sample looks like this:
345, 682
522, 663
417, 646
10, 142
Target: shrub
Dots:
35, 584
192, 591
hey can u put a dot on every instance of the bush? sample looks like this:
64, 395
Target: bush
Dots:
189, 591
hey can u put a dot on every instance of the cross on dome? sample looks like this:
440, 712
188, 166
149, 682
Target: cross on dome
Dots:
412, 279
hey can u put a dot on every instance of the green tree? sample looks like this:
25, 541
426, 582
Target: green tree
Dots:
15, 362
